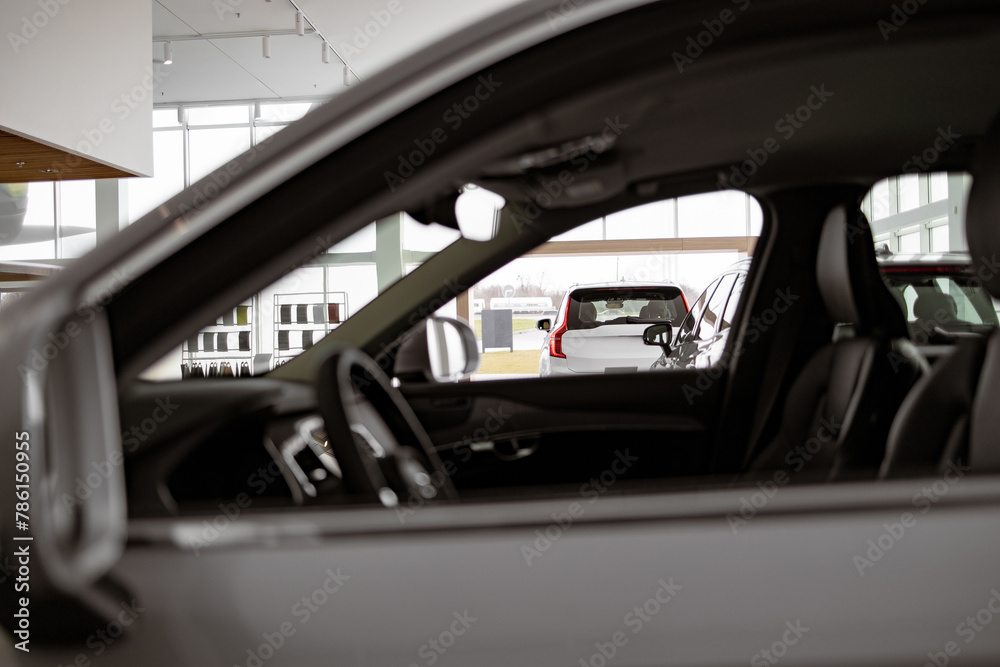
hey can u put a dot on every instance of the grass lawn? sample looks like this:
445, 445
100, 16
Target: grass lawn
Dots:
520, 324
519, 361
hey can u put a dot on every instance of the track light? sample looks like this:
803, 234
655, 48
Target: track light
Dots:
300, 24
256, 110
347, 75
266, 45
168, 53
326, 53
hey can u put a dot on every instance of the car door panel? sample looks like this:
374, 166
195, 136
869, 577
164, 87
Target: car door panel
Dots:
571, 424
507, 583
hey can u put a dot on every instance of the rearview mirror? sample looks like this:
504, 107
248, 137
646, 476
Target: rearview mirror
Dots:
478, 213
658, 334
439, 349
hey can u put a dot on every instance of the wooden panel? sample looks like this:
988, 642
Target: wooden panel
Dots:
643, 246
708, 244
18, 277
25, 272
37, 157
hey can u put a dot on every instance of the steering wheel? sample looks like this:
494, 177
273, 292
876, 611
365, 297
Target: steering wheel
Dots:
383, 450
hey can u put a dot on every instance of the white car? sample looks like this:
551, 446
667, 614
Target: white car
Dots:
598, 328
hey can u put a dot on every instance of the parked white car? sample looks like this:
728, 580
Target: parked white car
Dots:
598, 328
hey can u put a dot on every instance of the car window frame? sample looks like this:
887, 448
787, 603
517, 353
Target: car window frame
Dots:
716, 329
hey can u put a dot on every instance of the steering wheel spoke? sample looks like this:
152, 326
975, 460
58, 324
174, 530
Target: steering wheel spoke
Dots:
384, 452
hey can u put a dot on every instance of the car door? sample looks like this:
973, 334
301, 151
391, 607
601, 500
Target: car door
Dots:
589, 574
697, 332
710, 327
712, 352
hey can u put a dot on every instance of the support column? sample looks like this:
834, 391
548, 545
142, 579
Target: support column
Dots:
958, 190
462, 306
111, 200
389, 265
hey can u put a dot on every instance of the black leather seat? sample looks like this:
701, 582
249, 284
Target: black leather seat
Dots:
934, 309
588, 314
837, 415
953, 414
657, 310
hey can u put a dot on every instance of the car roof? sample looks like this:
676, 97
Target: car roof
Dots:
622, 283
742, 266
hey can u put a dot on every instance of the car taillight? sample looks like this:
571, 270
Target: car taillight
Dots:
555, 341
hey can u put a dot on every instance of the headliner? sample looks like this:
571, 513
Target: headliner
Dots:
891, 99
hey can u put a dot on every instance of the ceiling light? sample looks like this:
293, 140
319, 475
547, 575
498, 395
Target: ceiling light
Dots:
266, 45
300, 24
347, 75
326, 53
168, 53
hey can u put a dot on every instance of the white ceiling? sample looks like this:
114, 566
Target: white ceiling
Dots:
234, 68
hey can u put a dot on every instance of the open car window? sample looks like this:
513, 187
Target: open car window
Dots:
648, 279
598, 286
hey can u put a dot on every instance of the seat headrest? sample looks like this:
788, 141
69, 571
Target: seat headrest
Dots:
588, 312
657, 310
644, 312
935, 307
849, 279
982, 217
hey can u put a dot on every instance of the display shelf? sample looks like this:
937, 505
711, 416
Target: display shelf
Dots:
228, 342
302, 319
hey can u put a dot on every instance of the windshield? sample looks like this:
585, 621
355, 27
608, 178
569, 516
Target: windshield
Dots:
280, 322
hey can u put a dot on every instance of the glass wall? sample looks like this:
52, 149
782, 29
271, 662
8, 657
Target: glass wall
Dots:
58, 220
713, 214
919, 213
189, 142
30, 214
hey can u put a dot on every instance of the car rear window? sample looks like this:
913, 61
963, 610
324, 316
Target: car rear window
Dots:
951, 301
633, 305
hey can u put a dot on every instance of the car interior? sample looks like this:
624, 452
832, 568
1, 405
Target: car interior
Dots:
964, 426
795, 384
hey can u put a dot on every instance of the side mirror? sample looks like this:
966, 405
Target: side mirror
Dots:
544, 325
658, 334
439, 349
